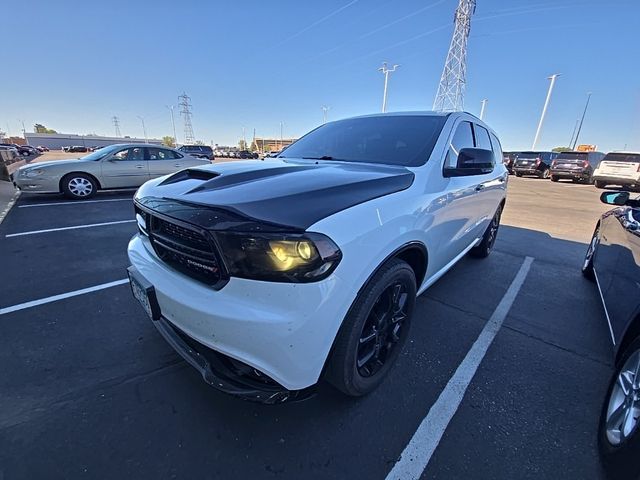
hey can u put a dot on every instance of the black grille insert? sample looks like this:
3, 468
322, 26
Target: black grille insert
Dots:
186, 249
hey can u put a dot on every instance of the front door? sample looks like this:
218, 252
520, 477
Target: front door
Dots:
124, 168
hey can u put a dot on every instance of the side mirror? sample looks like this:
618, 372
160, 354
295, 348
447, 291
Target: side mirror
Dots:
472, 161
615, 198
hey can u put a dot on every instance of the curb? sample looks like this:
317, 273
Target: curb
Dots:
11, 203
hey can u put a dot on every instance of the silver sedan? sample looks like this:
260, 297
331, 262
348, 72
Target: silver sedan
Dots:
115, 166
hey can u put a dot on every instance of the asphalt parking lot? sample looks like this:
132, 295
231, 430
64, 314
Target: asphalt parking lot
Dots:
88, 388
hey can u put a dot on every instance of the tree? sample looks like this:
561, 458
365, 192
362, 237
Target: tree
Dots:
254, 146
39, 128
242, 145
168, 141
561, 149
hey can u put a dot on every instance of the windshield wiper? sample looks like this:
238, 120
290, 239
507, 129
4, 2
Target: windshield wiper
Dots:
324, 157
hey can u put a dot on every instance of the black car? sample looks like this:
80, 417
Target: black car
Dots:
75, 149
246, 154
199, 151
613, 262
534, 163
508, 158
576, 166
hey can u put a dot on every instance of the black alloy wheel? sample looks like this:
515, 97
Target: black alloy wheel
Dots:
484, 248
373, 332
382, 329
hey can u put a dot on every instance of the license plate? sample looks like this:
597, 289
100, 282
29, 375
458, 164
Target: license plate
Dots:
144, 292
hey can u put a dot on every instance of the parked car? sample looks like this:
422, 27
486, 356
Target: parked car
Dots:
11, 146
508, 158
618, 168
613, 262
198, 151
534, 163
42, 149
75, 149
270, 276
30, 150
576, 166
247, 154
272, 154
116, 166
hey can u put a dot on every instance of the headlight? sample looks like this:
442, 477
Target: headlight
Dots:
278, 257
33, 172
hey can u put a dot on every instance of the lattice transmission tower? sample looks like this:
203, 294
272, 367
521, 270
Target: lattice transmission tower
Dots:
450, 96
116, 123
185, 105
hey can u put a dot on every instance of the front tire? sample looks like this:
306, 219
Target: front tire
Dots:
600, 184
587, 265
554, 178
374, 331
79, 186
518, 174
619, 431
484, 248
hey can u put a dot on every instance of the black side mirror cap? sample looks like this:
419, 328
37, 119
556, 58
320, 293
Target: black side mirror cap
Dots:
472, 161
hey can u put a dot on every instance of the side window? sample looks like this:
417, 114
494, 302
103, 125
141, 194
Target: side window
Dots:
161, 154
462, 138
130, 154
168, 154
497, 148
482, 138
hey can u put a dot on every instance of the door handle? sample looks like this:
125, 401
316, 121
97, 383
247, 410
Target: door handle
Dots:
139, 166
479, 187
178, 165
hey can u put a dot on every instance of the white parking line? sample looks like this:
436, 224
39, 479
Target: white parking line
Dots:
55, 298
75, 202
416, 455
33, 232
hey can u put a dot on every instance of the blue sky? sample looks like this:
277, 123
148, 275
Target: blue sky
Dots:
253, 64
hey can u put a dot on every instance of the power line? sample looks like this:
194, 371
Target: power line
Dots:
450, 96
185, 103
116, 123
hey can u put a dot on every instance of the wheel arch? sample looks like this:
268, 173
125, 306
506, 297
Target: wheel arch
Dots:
93, 177
631, 333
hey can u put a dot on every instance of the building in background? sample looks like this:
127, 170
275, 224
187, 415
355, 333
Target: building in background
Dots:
265, 145
55, 141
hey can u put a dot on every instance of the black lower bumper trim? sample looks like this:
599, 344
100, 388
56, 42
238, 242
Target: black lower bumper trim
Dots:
222, 377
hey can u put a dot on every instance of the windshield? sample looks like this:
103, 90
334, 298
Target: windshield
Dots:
103, 152
622, 157
395, 140
573, 156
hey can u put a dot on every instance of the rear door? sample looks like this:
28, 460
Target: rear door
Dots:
124, 168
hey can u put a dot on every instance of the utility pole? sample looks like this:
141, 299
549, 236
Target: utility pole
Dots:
484, 104
450, 96
144, 129
116, 123
185, 103
325, 109
584, 112
173, 123
386, 71
244, 138
281, 124
544, 109
24, 131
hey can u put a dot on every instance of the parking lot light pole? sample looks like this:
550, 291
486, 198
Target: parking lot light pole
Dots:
144, 129
544, 109
173, 122
573, 147
325, 109
386, 71
484, 104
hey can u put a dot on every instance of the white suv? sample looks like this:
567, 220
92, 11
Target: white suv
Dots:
618, 168
269, 276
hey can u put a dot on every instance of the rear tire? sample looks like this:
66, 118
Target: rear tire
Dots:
518, 174
600, 184
79, 186
554, 178
619, 452
544, 174
374, 331
484, 248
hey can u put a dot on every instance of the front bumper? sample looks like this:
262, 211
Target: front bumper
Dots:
283, 330
35, 184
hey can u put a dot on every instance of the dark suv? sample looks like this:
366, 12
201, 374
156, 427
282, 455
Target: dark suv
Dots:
577, 166
199, 151
534, 163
